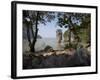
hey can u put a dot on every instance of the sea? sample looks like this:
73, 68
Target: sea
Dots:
41, 44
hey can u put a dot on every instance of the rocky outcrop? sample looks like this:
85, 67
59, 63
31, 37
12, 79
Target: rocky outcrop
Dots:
67, 58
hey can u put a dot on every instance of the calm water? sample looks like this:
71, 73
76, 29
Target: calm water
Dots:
41, 44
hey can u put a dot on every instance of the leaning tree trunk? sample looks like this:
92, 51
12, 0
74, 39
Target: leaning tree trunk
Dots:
32, 48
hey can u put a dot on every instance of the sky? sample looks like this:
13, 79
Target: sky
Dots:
49, 30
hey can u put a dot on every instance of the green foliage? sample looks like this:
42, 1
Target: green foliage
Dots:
70, 46
48, 48
84, 35
43, 16
65, 34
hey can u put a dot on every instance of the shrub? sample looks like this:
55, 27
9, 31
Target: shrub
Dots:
70, 46
48, 48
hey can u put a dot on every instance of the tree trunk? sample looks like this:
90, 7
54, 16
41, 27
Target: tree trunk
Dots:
32, 48
70, 25
69, 35
32, 32
28, 35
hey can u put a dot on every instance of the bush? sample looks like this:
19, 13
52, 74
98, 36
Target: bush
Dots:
48, 48
70, 46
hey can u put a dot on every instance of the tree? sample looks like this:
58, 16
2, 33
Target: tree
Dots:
86, 26
65, 20
37, 17
72, 21
28, 23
